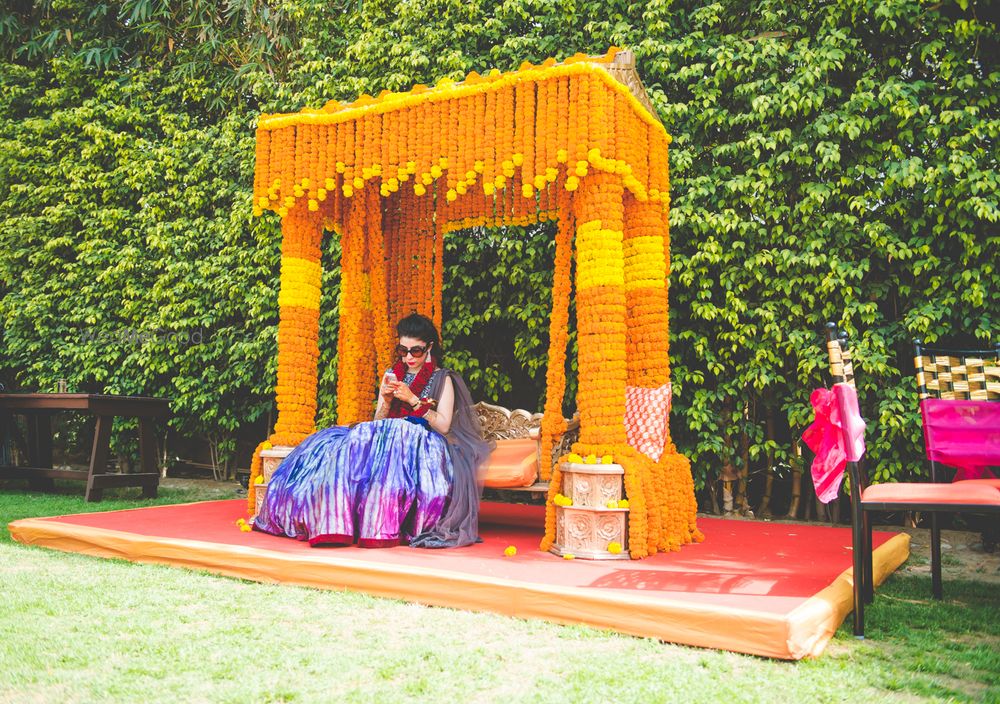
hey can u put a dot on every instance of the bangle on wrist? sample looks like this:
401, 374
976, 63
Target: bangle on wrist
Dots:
422, 406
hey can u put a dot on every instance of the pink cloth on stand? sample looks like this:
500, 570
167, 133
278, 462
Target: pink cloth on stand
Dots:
962, 434
836, 436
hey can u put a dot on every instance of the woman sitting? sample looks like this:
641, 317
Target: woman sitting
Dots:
411, 475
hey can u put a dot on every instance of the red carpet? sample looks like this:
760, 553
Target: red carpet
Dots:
771, 589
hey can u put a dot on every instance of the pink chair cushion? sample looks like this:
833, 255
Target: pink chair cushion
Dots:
993, 482
513, 463
969, 492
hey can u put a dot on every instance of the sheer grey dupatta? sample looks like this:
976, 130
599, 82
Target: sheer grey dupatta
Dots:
459, 525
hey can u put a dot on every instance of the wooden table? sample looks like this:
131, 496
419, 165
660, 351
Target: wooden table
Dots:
38, 410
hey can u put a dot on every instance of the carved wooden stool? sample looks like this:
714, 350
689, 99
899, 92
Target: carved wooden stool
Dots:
587, 527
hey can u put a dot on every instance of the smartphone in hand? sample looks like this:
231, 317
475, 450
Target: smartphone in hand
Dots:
389, 382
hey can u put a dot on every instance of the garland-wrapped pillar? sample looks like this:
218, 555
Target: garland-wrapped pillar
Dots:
666, 475
601, 335
601, 321
298, 323
648, 369
298, 334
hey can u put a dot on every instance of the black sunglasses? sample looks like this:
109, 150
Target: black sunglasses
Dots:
416, 350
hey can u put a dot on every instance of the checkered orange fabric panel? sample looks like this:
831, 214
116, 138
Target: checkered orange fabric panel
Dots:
646, 414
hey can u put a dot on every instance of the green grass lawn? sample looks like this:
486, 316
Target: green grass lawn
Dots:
81, 629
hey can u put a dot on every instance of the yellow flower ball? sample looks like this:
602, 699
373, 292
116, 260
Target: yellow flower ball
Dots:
240, 521
614, 548
612, 504
510, 551
623, 503
590, 459
607, 459
266, 445
259, 479
569, 556
246, 528
573, 457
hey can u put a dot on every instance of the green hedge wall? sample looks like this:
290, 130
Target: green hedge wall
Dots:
831, 160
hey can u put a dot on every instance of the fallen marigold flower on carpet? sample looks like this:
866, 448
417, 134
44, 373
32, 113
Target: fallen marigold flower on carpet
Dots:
510, 551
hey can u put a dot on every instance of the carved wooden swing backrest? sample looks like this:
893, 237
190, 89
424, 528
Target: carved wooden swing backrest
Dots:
500, 423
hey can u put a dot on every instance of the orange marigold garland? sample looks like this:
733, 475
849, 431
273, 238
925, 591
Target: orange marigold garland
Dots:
553, 422
298, 323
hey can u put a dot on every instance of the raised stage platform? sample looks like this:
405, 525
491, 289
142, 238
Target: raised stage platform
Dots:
771, 589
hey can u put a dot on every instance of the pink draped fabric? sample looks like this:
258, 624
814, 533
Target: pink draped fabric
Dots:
963, 434
836, 436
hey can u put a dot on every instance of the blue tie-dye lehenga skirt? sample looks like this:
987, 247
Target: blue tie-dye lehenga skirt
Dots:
377, 483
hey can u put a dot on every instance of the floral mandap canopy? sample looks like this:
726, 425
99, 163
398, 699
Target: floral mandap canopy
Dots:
576, 142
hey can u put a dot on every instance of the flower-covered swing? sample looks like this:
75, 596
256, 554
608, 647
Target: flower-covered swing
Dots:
393, 174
